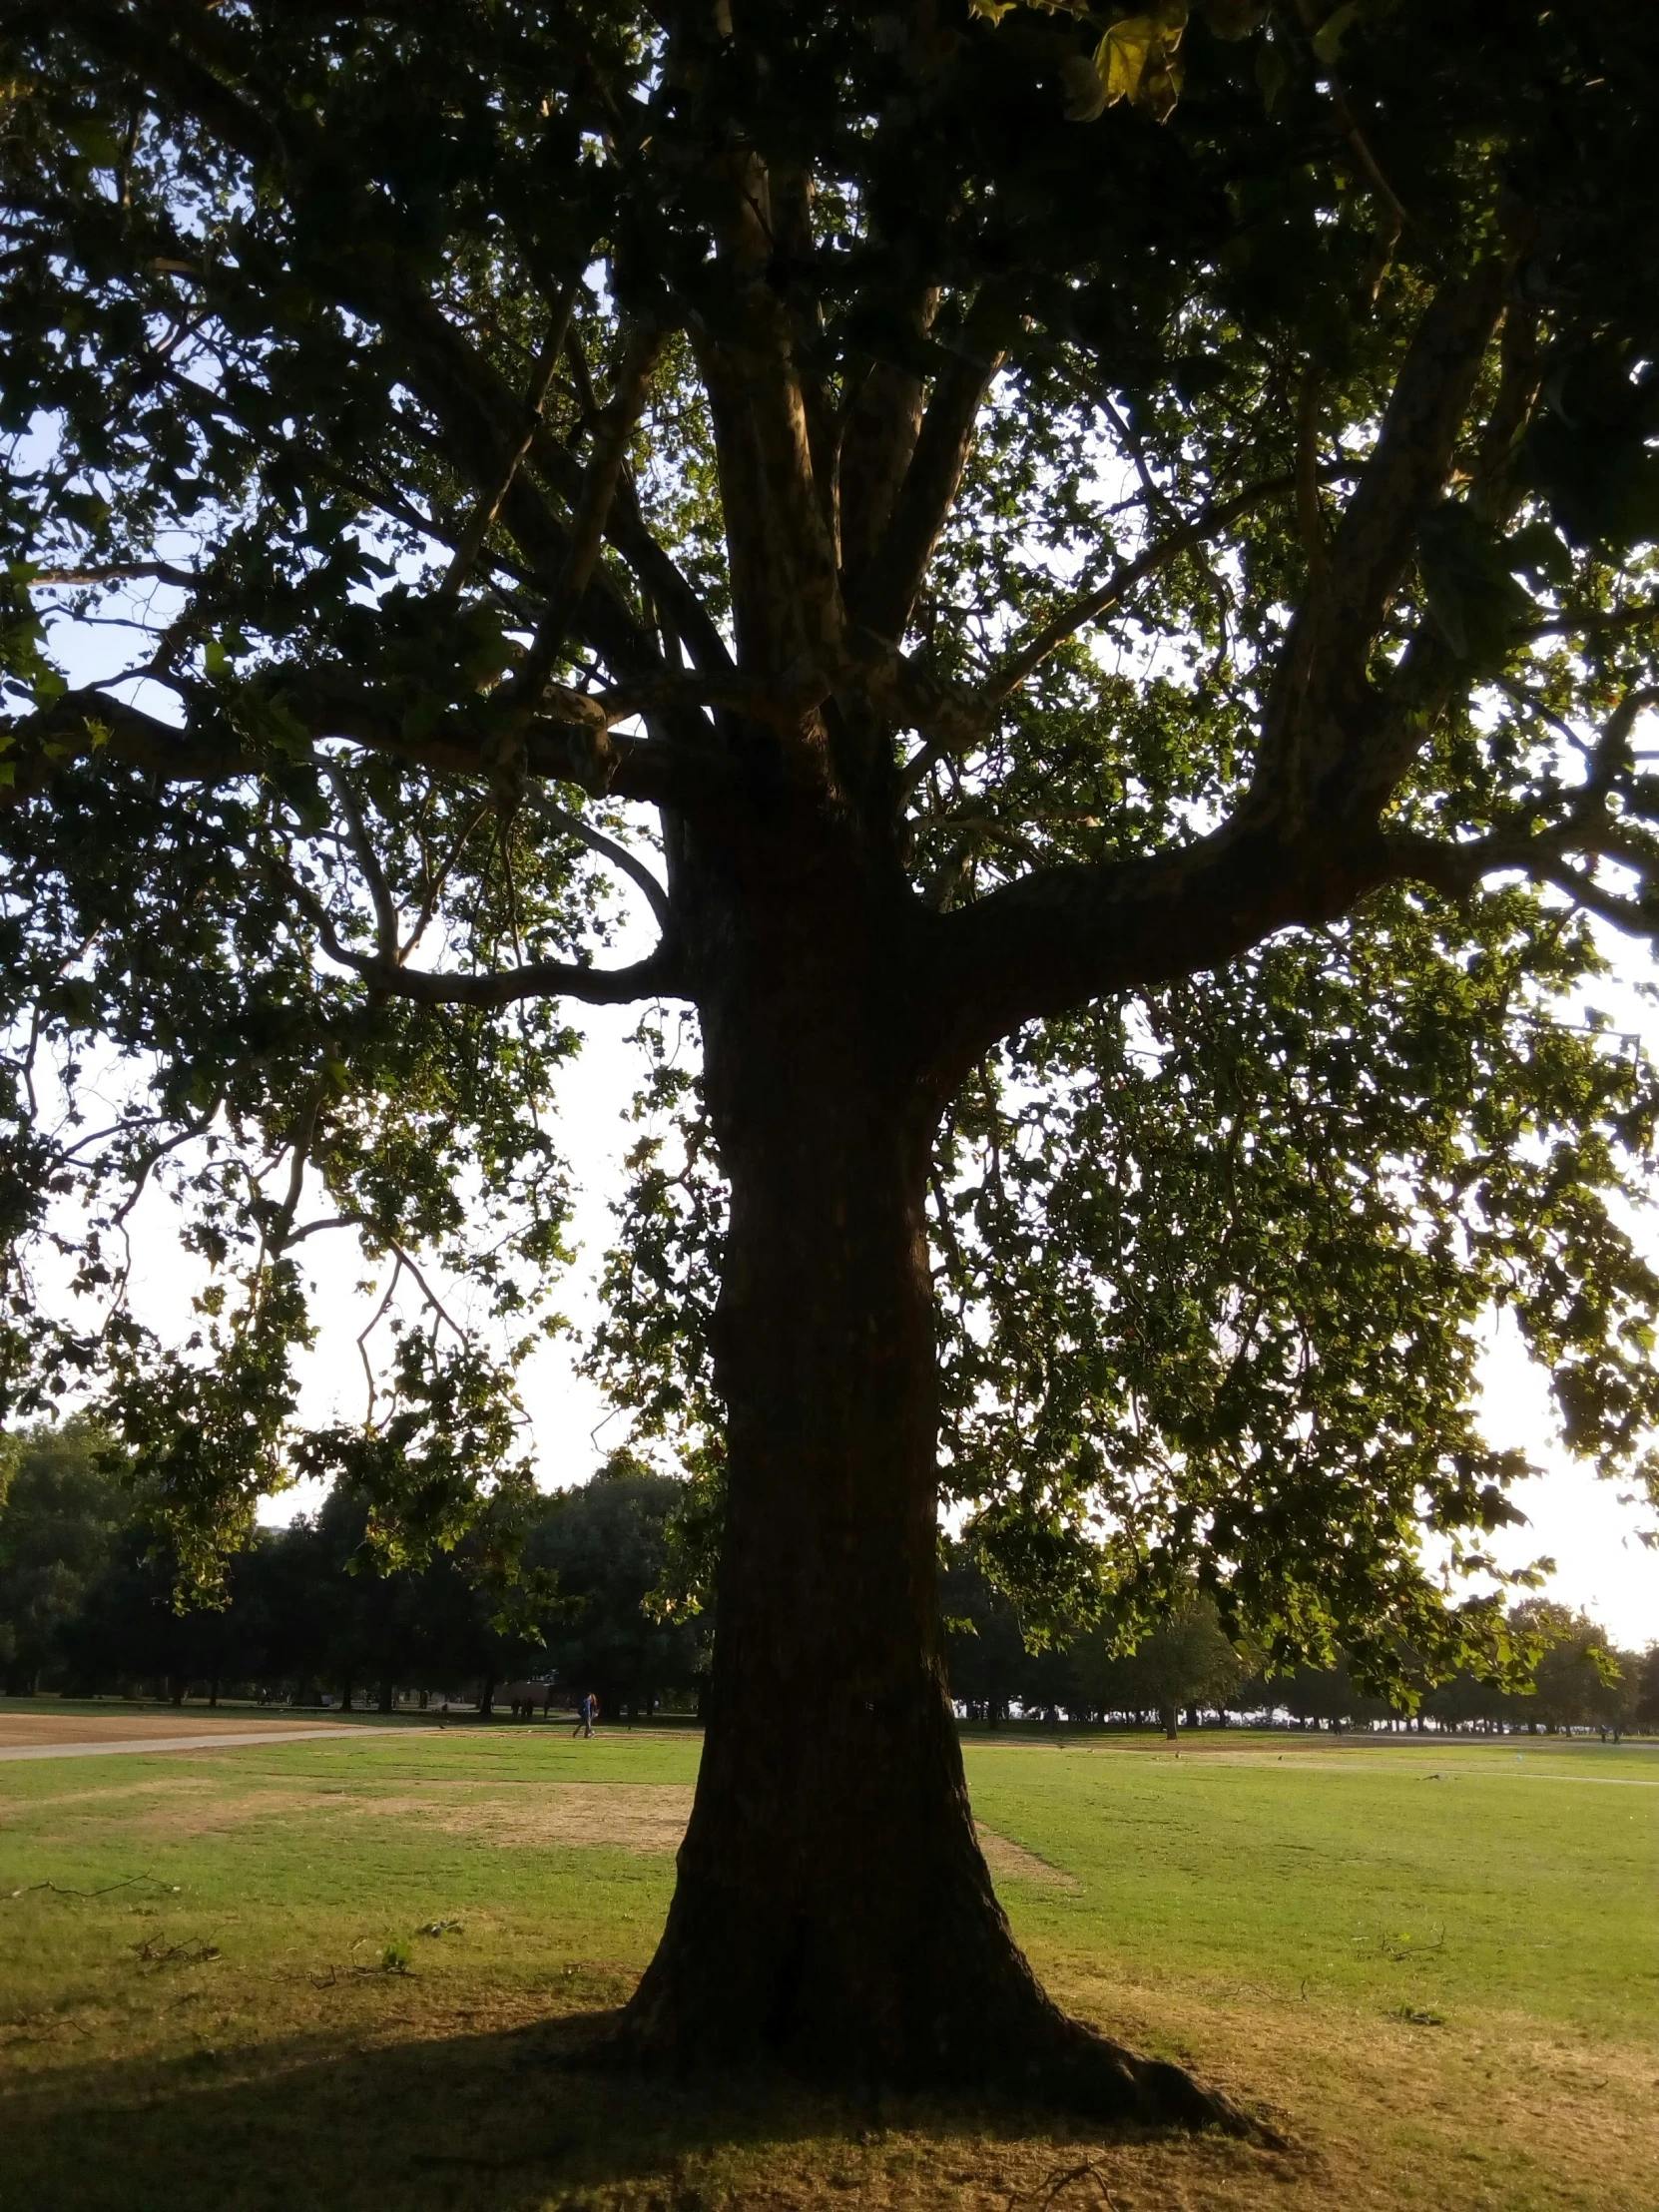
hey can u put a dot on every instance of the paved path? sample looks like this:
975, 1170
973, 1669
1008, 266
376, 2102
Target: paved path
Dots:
117, 1745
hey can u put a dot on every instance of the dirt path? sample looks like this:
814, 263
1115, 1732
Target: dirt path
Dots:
94, 1735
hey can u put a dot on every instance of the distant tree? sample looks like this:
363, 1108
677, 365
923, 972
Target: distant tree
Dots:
1572, 1683
1646, 1702
986, 1663
63, 1507
1328, 1694
1186, 1662
607, 1545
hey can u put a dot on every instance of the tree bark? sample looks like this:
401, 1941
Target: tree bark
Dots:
834, 1909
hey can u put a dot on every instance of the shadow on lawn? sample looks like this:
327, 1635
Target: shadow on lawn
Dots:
493, 2122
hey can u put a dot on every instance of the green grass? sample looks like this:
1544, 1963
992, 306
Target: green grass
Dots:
1446, 1988
1448, 1875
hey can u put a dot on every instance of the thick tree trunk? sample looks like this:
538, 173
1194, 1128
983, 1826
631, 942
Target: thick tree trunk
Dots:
833, 1907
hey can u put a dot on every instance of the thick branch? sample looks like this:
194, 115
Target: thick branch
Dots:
587, 530
929, 487
85, 723
1060, 936
575, 748
656, 976
1321, 740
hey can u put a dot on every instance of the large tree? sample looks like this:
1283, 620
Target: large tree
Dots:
1090, 578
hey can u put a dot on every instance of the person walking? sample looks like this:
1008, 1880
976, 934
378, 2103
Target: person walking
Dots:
589, 1713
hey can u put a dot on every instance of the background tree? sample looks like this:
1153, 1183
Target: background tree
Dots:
604, 1548
1114, 657
63, 1508
1186, 1662
1577, 1683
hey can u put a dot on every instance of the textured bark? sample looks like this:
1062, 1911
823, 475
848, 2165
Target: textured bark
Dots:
834, 1909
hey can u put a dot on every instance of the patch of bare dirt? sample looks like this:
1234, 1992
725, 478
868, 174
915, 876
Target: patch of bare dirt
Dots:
1011, 1862
641, 1817
29, 1731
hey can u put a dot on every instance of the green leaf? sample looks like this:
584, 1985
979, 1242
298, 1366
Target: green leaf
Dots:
1273, 71
1467, 580
1327, 39
1084, 88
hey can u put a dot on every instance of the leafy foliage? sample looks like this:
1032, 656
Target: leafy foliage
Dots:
1196, 561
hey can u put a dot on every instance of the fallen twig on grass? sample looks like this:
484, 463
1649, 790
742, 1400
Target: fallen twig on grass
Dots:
26, 2031
62, 1889
1087, 2171
195, 1951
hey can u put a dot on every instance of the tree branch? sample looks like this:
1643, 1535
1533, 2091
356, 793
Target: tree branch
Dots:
587, 530
1015, 665
482, 519
619, 854
657, 975
1329, 739
929, 487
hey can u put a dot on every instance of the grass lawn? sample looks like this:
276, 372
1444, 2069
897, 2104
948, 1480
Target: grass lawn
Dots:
341, 1973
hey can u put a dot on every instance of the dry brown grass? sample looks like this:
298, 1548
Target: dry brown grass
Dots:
34, 1731
634, 1817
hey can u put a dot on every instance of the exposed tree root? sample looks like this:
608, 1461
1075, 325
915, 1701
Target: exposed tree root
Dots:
1066, 2067
1085, 2072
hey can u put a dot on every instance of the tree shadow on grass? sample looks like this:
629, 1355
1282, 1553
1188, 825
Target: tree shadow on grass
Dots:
501, 2121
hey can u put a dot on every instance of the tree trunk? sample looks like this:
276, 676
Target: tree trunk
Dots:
1169, 1720
833, 1907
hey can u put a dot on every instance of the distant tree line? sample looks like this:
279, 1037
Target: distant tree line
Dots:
1187, 1670
87, 1596
87, 1589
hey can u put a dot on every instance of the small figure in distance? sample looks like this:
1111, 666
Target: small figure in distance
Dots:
589, 1712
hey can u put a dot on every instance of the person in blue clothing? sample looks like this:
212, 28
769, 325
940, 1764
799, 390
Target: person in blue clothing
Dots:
588, 1713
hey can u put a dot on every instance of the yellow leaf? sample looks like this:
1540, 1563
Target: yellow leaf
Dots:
1121, 54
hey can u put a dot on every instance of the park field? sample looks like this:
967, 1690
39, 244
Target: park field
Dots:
347, 1972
